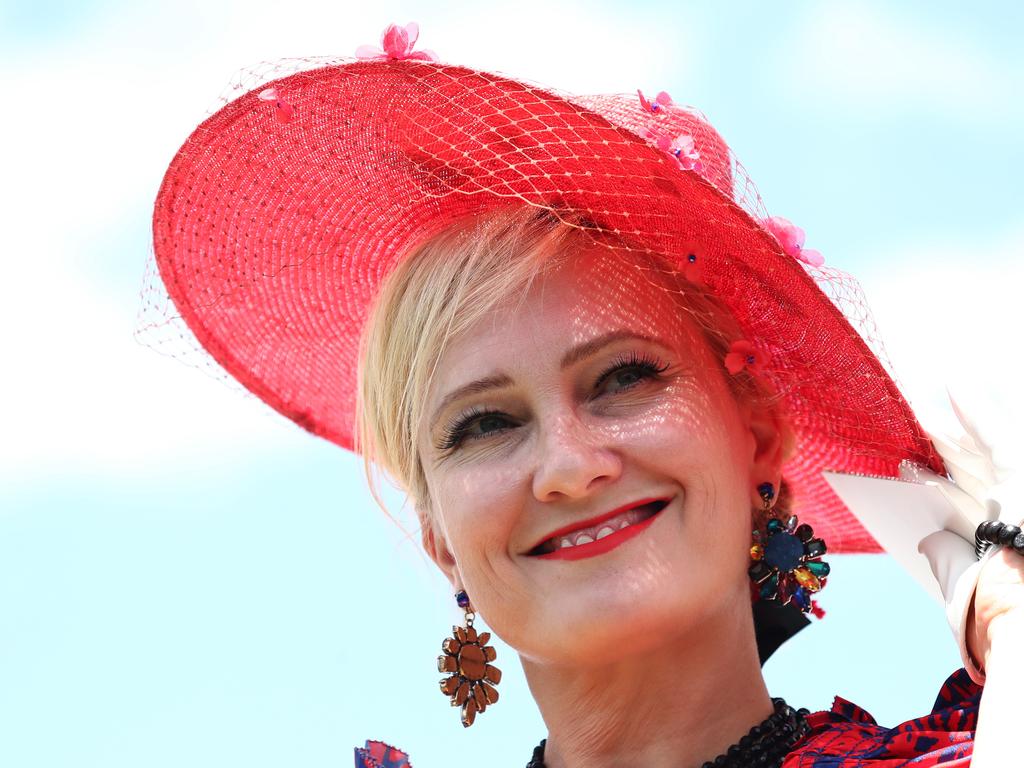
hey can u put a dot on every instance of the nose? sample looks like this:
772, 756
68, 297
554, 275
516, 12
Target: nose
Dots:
573, 460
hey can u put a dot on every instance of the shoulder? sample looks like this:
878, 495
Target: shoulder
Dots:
848, 737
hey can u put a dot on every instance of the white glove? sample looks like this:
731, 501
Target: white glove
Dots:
981, 490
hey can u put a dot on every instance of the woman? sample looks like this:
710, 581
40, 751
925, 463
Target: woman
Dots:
606, 379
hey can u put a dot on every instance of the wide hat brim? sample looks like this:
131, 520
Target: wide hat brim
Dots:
279, 217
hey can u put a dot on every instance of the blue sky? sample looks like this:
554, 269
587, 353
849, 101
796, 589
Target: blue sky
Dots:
187, 578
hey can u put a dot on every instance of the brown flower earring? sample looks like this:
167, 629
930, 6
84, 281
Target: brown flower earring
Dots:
471, 678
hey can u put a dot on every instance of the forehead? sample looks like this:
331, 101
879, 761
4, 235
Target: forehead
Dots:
592, 293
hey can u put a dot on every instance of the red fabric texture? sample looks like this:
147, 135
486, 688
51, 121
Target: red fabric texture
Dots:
275, 225
848, 737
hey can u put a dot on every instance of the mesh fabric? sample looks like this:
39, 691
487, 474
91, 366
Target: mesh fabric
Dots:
273, 232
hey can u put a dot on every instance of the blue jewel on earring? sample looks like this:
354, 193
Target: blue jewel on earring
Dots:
786, 559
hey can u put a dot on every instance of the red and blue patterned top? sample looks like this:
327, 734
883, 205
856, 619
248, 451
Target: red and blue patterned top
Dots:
845, 736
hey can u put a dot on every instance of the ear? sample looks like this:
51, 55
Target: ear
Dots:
436, 545
770, 440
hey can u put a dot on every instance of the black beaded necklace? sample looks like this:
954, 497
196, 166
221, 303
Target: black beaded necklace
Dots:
764, 746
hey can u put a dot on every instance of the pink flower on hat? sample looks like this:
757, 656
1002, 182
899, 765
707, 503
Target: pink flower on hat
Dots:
682, 148
743, 354
791, 237
282, 109
396, 43
661, 100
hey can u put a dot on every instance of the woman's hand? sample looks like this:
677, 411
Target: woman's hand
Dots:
984, 599
996, 636
978, 594
998, 603
999, 594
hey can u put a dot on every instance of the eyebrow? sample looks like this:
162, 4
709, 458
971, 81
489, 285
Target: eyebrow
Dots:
571, 357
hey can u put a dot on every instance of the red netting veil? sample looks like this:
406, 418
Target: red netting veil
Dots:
283, 211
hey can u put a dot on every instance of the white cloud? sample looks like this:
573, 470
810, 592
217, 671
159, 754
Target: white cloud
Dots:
950, 315
853, 54
80, 395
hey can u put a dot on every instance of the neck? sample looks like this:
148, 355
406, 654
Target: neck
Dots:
674, 706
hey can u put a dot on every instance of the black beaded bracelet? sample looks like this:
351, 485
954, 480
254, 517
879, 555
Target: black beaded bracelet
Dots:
994, 532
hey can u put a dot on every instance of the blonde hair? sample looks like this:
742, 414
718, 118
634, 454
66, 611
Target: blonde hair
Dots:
447, 284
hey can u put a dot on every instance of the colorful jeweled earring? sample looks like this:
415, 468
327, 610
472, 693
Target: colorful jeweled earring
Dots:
471, 678
786, 557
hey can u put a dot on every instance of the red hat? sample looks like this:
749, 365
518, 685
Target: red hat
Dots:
282, 213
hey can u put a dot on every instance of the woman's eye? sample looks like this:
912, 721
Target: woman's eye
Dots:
473, 426
625, 374
489, 423
626, 377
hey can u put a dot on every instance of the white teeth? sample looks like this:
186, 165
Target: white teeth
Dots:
626, 519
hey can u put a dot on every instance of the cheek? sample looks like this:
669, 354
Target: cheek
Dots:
479, 506
480, 509
689, 420
696, 436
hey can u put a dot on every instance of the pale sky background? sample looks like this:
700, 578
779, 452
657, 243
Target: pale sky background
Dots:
186, 578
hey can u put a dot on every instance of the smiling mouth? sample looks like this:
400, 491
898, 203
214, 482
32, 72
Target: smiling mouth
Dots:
612, 526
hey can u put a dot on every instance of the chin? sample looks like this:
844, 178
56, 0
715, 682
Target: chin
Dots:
604, 628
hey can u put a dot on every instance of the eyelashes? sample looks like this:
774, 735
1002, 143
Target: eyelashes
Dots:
645, 364
642, 365
458, 430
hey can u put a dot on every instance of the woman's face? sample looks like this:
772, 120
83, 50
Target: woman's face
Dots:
593, 410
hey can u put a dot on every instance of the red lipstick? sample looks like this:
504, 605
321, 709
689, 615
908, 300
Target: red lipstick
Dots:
605, 543
599, 547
